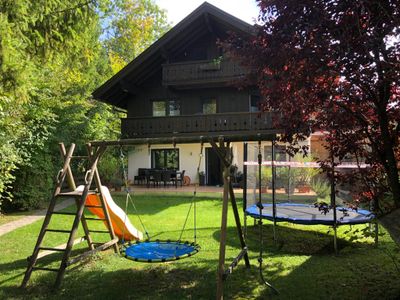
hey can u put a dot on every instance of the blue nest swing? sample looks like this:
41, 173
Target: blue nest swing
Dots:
160, 251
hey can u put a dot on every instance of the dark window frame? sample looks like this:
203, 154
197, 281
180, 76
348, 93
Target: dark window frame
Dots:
167, 103
165, 163
280, 153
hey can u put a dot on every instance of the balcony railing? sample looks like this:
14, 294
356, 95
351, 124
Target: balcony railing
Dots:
202, 72
193, 125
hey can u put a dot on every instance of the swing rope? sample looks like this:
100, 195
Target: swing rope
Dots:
193, 202
128, 198
260, 223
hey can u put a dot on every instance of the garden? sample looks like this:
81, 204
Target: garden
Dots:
300, 265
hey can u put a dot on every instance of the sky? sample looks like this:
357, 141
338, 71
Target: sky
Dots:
246, 10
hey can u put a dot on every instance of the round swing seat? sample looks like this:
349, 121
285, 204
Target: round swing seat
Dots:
160, 251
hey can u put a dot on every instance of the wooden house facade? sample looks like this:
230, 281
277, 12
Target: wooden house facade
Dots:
184, 84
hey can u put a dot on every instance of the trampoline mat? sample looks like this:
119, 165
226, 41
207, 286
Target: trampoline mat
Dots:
310, 215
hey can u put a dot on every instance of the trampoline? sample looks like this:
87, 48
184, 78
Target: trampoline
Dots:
160, 251
310, 215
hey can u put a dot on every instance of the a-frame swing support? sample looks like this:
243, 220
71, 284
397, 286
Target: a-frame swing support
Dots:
221, 146
94, 154
224, 153
95, 151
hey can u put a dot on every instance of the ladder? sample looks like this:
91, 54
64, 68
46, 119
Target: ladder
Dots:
92, 175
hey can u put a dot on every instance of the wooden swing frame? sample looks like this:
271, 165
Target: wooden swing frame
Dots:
221, 145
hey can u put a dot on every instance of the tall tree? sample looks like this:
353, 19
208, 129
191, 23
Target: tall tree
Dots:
333, 65
52, 56
131, 27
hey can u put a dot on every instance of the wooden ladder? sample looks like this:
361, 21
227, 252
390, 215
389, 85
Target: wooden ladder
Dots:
94, 154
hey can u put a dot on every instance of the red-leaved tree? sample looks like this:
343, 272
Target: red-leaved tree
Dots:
332, 66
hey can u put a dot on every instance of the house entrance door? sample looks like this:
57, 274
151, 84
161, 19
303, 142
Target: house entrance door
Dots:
213, 168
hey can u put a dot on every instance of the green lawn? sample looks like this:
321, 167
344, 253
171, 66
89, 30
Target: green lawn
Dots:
5, 218
301, 266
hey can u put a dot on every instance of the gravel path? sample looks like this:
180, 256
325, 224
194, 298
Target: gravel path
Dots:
36, 215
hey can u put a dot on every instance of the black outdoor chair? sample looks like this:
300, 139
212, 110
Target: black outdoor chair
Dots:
179, 178
155, 177
166, 177
141, 177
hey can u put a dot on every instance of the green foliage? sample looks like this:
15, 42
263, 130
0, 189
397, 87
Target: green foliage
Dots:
53, 54
110, 169
133, 26
34, 183
321, 187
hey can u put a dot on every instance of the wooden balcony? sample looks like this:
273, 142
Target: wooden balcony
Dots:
197, 125
202, 72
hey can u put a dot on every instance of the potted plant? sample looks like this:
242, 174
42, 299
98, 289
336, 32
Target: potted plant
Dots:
202, 178
116, 183
303, 175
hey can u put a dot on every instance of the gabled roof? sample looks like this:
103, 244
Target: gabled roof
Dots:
122, 85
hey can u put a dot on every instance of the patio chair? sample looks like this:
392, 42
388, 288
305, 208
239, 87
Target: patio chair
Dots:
166, 177
155, 177
179, 178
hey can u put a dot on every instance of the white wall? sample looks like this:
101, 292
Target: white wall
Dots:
189, 155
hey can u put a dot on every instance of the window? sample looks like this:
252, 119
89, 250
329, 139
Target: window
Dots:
159, 109
280, 153
164, 108
165, 159
210, 106
174, 108
255, 103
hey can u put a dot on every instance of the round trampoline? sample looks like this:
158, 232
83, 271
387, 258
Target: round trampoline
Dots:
310, 215
160, 251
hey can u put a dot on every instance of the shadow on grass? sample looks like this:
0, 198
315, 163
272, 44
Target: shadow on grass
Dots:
290, 240
154, 281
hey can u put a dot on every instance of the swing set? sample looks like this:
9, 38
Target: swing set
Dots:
148, 250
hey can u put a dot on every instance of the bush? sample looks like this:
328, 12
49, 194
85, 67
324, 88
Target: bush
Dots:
321, 187
34, 183
110, 169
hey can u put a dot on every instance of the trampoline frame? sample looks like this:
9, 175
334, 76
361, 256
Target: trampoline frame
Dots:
368, 216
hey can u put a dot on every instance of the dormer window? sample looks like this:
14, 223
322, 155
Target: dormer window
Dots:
162, 108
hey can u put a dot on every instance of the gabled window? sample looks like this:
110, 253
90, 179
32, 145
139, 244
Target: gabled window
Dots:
162, 108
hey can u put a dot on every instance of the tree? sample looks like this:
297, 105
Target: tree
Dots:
52, 56
33, 34
332, 65
133, 25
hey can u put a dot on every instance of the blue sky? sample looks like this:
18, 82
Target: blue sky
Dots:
246, 10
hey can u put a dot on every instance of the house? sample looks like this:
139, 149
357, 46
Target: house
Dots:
184, 84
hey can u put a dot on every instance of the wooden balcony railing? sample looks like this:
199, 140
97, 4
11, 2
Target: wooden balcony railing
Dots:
193, 125
202, 72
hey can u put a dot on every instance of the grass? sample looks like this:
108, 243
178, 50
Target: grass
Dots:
5, 218
301, 265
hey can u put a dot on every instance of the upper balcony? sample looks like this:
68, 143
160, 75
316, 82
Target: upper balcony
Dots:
198, 125
203, 72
